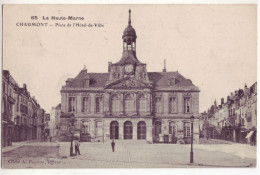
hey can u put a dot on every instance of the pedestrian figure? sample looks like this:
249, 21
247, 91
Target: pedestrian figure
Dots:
45, 137
113, 145
50, 138
77, 144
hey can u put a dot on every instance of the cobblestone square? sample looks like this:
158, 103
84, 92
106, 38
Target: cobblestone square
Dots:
129, 154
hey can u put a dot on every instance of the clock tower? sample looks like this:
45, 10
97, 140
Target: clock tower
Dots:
128, 66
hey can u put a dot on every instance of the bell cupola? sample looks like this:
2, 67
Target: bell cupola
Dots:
129, 36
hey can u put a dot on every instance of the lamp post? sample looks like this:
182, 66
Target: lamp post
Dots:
71, 130
191, 147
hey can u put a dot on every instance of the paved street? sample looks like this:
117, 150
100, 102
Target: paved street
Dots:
129, 154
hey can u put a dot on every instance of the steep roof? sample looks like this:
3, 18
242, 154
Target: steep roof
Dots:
58, 106
160, 80
96, 79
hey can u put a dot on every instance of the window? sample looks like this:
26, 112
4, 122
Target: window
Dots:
173, 105
17, 103
115, 103
3, 86
142, 76
98, 104
157, 129
128, 130
72, 104
172, 81
114, 130
129, 104
17, 120
99, 128
125, 46
4, 106
187, 105
187, 129
142, 103
141, 130
116, 75
85, 127
129, 47
242, 121
172, 128
158, 105
85, 104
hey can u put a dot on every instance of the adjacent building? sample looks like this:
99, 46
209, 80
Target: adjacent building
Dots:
130, 103
8, 103
236, 119
54, 123
21, 116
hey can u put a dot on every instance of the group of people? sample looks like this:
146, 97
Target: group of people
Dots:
77, 144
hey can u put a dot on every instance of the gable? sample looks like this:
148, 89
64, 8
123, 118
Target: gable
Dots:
127, 83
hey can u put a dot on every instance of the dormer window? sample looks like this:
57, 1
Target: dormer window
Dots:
116, 75
172, 81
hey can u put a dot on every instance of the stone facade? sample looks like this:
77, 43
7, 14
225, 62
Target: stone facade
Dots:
236, 120
8, 104
21, 114
130, 103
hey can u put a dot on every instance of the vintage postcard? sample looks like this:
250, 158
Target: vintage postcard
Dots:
129, 86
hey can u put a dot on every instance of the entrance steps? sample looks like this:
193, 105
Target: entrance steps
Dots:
129, 141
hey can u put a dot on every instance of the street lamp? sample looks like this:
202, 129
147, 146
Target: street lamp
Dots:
71, 130
191, 147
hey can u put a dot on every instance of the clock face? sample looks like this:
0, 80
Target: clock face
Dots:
129, 68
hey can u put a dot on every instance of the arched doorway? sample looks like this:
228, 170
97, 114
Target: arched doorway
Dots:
157, 130
114, 127
128, 130
141, 130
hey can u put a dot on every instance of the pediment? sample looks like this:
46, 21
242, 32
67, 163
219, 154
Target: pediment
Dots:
127, 83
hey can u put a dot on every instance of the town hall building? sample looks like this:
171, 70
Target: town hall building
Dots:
129, 103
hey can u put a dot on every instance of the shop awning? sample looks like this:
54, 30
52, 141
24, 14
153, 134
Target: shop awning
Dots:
249, 134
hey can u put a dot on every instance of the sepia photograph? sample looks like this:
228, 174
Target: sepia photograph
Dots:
129, 86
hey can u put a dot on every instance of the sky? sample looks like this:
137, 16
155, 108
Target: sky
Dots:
213, 45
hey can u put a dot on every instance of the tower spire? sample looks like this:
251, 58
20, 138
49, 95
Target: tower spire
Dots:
129, 19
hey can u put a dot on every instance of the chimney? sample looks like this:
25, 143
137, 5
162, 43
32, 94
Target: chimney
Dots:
68, 82
228, 98
164, 68
189, 80
222, 101
24, 86
231, 95
215, 103
109, 66
246, 90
